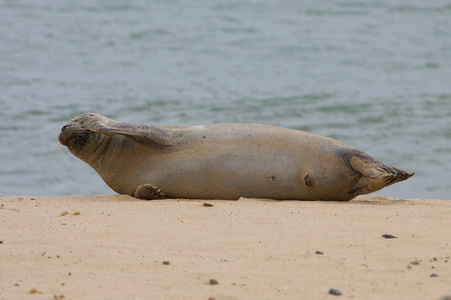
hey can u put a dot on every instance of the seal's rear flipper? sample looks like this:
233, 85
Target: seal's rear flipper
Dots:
374, 174
148, 192
143, 134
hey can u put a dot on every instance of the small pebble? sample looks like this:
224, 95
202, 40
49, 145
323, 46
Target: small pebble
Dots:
335, 292
415, 262
63, 213
434, 275
76, 213
208, 204
1, 242
166, 262
35, 291
213, 281
389, 236
319, 252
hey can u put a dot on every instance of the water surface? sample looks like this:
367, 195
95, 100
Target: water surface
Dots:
375, 76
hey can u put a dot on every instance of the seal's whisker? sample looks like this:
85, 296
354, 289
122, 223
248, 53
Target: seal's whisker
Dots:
86, 135
82, 135
77, 112
95, 138
56, 148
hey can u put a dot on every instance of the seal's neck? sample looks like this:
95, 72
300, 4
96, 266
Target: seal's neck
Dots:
97, 154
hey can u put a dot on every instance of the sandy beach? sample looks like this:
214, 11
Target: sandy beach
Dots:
118, 247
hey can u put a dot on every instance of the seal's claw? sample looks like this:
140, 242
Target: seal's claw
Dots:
148, 192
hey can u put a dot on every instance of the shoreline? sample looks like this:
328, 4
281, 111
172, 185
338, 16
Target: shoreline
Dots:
119, 247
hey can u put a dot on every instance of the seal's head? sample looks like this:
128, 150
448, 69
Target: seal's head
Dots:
81, 135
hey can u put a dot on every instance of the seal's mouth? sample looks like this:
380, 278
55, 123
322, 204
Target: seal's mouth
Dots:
74, 137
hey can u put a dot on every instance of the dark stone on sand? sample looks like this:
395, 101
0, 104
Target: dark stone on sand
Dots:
335, 292
389, 236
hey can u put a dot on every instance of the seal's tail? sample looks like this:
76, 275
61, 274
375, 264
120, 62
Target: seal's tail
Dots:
374, 175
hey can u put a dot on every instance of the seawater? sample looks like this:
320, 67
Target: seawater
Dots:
374, 75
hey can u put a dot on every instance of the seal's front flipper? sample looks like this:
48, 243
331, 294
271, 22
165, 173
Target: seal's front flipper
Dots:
148, 192
143, 134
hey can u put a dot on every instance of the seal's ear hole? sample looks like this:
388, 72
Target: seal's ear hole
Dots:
308, 180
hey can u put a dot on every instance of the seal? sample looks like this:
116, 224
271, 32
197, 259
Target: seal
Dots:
223, 161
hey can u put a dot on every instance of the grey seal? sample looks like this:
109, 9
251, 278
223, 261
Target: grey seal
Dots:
223, 161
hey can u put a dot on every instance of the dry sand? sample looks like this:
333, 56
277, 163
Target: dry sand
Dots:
118, 247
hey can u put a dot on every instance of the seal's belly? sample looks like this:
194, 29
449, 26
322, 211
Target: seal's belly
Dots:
224, 173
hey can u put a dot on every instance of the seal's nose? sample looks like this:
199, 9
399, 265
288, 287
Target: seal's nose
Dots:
63, 135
